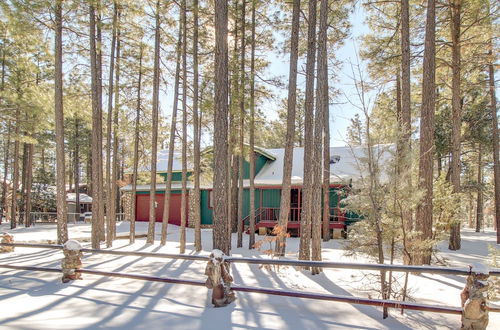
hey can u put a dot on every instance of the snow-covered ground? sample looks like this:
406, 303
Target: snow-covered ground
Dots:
37, 300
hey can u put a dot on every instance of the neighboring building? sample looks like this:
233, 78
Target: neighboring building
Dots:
344, 163
78, 212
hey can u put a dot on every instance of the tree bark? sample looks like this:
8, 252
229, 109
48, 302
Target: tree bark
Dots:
5, 199
136, 147
234, 95
171, 144
28, 182
62, 213
425, 172
251, 156
494, 129
115, 160
405, 72
479, 205
22, 204
100, 188
241, 154
109, 128
404, 117
455, 11
96, 149
184, 128
220, 214
321, 109
15, 172
76, 167
154, 135
307, 204
290, 128
3, 210
196, 134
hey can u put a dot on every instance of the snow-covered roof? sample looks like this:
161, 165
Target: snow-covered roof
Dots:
84, 198
346, 164
162, 163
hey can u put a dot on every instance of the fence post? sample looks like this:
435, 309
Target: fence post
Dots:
72, 261
6, 238
219, 279
474, 301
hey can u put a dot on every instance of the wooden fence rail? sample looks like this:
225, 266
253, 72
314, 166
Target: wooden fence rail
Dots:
281, 262
278, 262
285, 293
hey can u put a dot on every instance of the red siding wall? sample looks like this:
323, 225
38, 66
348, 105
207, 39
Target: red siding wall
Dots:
142, 209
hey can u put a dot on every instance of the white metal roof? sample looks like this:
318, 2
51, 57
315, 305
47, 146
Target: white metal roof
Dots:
84, 198
346, 164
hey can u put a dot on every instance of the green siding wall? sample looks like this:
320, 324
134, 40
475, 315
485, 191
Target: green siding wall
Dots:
271, 197
246, 201
206, 211
260, 161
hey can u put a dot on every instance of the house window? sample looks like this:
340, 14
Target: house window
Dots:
210, 199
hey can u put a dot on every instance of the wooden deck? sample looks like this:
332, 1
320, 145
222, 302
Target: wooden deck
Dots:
268, 218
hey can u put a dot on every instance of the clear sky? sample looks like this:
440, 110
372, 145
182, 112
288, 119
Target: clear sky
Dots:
341, 111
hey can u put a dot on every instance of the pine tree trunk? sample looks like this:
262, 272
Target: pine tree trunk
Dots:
326, 175
234, 95
136, 148
171, 144
405, 72
321, 109
29, 182
471, 210
479, 205
109, 128
455, 10
307, 204
425, 173
62, 214
220, 189
22, 203
100, 187
76, 168
15, 172
5, 199
154, 136
494, 129
3, 209
242, 123
196, 135
404, 119
184, 128
251, 157
96, 147
290, 128
115, 160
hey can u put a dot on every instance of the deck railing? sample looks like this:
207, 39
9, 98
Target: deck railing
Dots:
272, 214
281, 262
